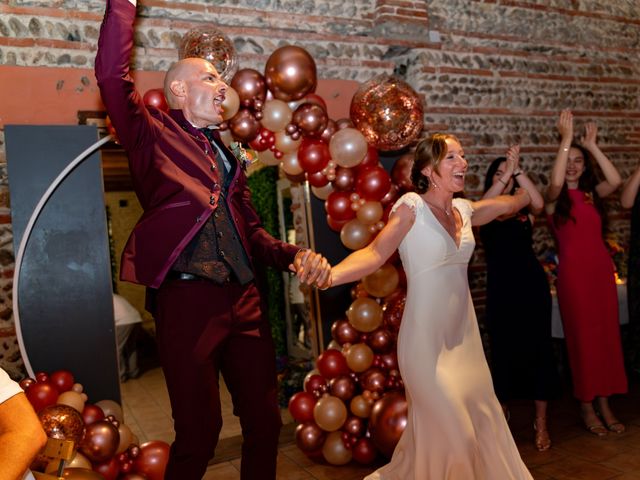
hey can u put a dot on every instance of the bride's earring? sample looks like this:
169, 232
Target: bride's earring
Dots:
435, 185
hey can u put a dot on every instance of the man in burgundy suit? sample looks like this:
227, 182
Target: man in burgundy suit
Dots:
196, 247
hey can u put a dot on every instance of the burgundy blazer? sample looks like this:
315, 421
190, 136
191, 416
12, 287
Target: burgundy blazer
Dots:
170, 164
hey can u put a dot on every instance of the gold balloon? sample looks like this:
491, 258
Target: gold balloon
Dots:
370, 212
329, 413
334, 450
126, 435
355, 235
290, 73
285, 143
267, 157
365, 314
276, 115
359, 357
231, 104
290, 164
388, 112
382, 282
360, 406
348, 147
322, 192
72, 399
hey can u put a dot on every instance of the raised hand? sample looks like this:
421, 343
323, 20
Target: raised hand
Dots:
312, 268
513, 158
588, 140
565, 125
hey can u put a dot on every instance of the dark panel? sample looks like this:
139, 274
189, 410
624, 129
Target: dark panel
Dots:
66, 306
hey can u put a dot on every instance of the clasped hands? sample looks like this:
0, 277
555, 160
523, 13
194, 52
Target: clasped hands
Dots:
312, 268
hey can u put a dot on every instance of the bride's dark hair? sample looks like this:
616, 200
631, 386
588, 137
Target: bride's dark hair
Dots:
429, 152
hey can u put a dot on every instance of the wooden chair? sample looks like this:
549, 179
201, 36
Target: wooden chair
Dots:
54, 449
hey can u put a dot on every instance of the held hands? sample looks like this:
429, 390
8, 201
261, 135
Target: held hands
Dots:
513, 159
312, 269
565, 125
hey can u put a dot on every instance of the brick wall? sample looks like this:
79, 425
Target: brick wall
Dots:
493, 72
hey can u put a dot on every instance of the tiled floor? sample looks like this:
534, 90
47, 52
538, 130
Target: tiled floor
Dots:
575, 455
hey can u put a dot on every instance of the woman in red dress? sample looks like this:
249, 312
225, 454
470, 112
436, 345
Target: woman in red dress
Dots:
586, 286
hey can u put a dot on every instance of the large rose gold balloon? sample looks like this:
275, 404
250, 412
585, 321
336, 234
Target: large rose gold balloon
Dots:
250, 86
290, 73
244, 125
388, 112
81, 474
359, 357
62, 422
276, 115
290, 164
329, 413
111, 407
360, 406
387, 422
100, 441
365, 314
401, 172
285, 143
231, 104
322, 192
355, 235
311, 119
382, 282
334, 451
309, 437
72, 399
214, 46
370, 212
348, 147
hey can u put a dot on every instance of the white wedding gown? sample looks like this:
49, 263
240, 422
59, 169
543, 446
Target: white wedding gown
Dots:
456, 429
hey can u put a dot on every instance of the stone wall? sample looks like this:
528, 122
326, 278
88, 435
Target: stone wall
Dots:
493, 72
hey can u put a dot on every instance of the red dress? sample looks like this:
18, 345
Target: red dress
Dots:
588, 303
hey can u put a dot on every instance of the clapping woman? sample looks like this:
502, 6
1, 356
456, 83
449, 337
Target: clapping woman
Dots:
586, 287
518, 299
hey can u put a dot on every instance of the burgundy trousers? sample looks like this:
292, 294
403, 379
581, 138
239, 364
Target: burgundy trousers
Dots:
202, 330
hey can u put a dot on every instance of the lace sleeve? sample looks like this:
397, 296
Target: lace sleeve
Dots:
411, 200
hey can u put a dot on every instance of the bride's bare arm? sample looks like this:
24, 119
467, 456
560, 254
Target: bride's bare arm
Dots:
367, 260
488, 209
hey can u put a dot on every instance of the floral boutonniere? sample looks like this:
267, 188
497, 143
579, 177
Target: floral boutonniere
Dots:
241, 154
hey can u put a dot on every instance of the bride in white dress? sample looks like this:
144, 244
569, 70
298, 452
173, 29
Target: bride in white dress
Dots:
456, 429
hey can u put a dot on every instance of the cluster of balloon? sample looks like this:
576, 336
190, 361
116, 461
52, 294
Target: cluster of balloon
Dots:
353, 404
106, 448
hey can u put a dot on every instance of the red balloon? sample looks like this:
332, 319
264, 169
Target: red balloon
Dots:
342, 387
41, 394
317, 179
91, 414
152, 460
328, 132
263, 141
373, 183
401, 172
373, 379
250, 85
42, 377
63, 380
387, 421
390, 197
345, 179
155, 98
301, 406
309, 437
313, 155
364, 451
335, 225
109, 469
338, 206
380, 340
371, 159
315, 382
331, 363
244, 126
343, 332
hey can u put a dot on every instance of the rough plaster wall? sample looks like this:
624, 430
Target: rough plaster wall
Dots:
492, 72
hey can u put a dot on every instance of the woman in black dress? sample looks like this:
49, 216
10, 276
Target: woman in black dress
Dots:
518, 300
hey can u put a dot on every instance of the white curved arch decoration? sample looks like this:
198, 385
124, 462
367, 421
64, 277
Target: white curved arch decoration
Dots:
25, 238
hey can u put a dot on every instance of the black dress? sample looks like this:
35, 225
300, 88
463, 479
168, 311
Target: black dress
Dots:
518, 313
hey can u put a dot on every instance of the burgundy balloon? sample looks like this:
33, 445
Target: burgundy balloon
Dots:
100, 441
373, 379
314, 383
401, 172
345, 179
301, 406
358, 291
108, 469
373, 183
42, 377
338, 206
354, 426
371, 159
329, 130
364, 451
344, 123
387, 421
392, 314
244, 126
380, 340
331, 364
26, 383
250, 85
152, 461
311, 119
342, 387
335, 225
313, 155
389, 361
41, 395
91, 414
317, 179
343, 332
391, 196
62, 379
155, 98
309, 437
